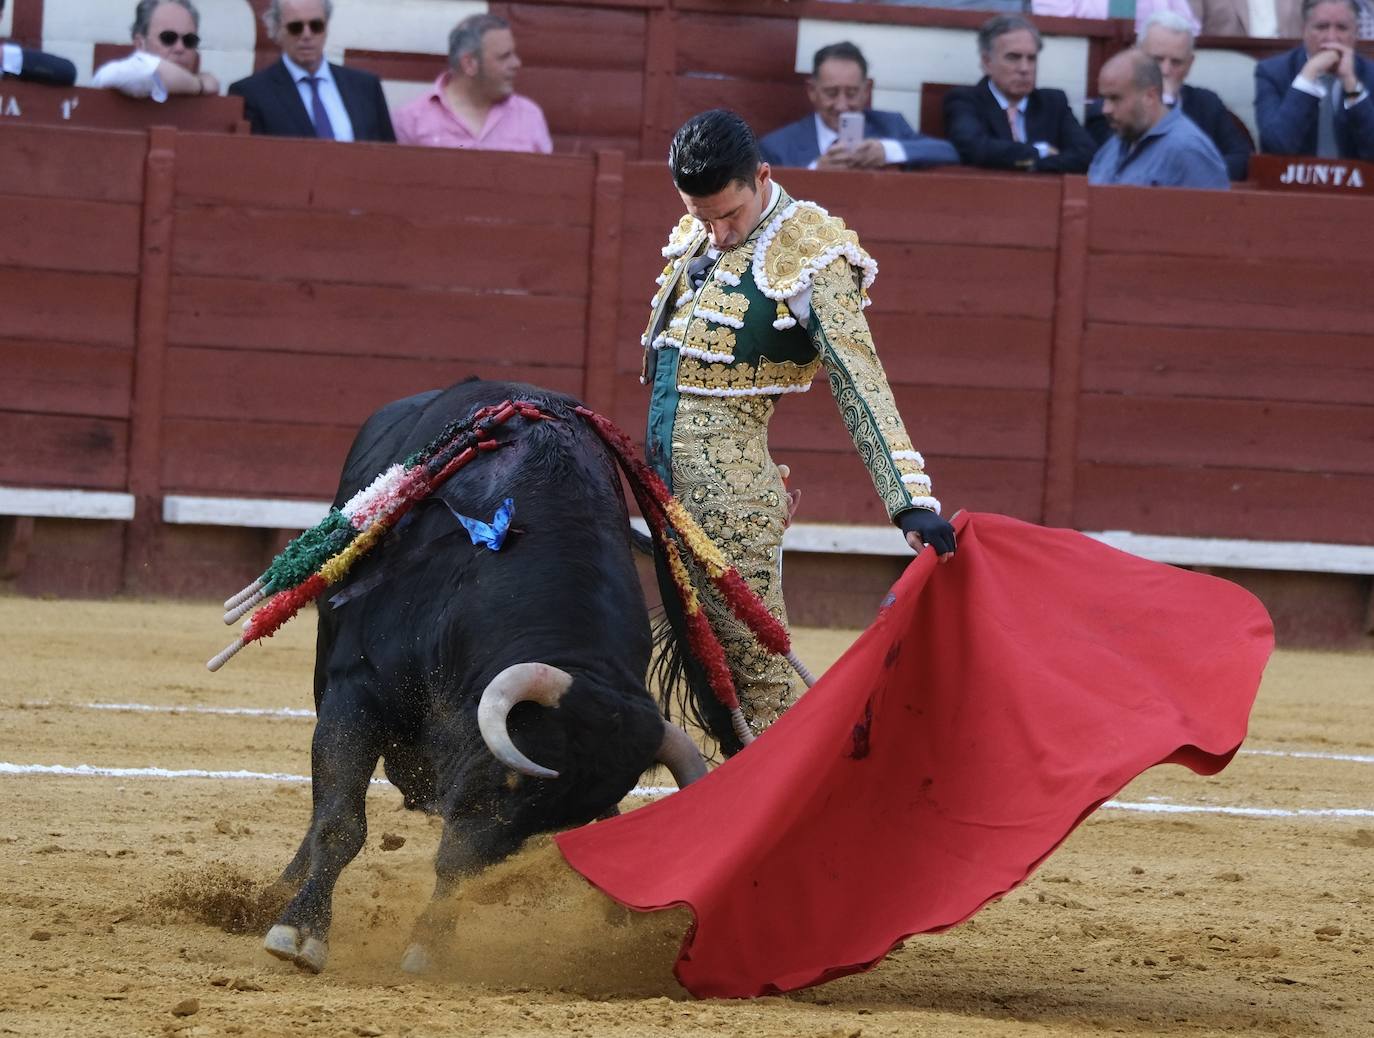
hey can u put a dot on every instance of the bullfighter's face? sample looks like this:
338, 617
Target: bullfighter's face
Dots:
732, 213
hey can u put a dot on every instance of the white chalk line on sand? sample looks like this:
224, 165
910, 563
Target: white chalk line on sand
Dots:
1155, 807
298, 713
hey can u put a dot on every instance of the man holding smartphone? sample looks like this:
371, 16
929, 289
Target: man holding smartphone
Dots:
843, 132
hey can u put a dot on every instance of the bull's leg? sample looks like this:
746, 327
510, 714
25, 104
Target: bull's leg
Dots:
465, 848
343, 757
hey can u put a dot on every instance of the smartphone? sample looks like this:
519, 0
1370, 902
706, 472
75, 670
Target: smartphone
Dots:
851, 129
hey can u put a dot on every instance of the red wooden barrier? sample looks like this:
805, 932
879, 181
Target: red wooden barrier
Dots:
206, 314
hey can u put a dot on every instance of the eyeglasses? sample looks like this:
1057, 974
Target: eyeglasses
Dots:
317, 26
169, 39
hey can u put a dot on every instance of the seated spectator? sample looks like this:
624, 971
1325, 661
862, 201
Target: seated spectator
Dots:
1006, 122
34, 65
165, 54
1315, 99
1154, 145
1264, 18
302, 95
1168, 40
1144, 11
474, 103
839, 83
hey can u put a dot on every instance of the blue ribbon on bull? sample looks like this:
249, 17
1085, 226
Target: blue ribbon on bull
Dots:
492, 535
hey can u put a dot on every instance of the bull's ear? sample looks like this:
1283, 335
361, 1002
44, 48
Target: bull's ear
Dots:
524, 682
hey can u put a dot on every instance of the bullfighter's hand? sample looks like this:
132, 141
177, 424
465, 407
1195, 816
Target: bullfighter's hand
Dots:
793, 496
924, 527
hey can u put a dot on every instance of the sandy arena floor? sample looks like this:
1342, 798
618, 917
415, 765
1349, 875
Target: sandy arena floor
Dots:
131, 906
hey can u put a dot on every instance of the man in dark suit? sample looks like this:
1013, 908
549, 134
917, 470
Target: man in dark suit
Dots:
839, 83
302, 95
1315, 99
1005, 122
1167, 38
34, 65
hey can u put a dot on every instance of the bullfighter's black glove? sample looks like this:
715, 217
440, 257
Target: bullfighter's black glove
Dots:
934, 531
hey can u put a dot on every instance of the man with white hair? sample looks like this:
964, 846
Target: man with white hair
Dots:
474, 104
1167, 38
303, 95
165, 57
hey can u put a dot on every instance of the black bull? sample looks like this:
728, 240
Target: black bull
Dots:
429, 631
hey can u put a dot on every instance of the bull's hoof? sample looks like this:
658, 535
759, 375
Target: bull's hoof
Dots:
416, 959
285, 942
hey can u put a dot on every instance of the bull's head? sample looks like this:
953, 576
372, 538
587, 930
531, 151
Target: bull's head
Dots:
546, 685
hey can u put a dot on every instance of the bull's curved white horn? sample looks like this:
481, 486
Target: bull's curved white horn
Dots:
680, 756
533, 682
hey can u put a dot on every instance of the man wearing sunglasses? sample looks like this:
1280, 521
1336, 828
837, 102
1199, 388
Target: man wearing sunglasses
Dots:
165, 56
303, 95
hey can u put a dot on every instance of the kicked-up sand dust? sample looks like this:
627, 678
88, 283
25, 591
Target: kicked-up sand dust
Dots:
136, 905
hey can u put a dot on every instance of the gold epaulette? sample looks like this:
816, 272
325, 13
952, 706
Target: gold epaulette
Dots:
801, 240
688, 230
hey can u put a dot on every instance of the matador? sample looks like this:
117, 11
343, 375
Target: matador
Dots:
759, 292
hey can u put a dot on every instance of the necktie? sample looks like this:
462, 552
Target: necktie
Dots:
698, 269
1327, 148
323, 127
1014, 121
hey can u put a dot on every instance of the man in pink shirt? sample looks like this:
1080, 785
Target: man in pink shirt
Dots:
474, 103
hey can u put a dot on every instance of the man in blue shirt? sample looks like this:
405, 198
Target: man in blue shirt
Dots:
1153, 145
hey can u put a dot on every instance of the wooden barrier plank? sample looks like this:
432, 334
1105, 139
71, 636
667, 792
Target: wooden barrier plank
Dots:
595, 102
78, 453
837, 488
69, 234
254, 386
741, 47
1228, 363
1276, 227
371, 249
587, 37
434, 185
61, 378
55, 162
765, 104
936, 206
1276, 436
254, 458
1240, 292
317, 317
1253, 503
62, 306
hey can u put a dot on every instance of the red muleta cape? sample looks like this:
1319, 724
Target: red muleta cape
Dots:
994, 704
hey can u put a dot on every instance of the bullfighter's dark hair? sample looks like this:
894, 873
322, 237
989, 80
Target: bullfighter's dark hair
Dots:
844, 51
711, 151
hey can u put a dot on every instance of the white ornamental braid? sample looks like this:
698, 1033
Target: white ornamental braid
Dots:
716, 317
695, 231
747, 391
707, 355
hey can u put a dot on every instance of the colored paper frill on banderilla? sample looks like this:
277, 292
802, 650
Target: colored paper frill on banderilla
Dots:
995, 703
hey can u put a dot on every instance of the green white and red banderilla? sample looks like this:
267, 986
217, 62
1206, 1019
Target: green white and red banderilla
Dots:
324, 554
667, 520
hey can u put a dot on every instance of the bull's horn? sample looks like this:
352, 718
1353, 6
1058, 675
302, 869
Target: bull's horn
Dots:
536, 682
680, 756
